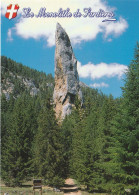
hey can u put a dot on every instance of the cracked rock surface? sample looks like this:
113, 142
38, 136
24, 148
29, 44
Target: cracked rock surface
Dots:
66, 75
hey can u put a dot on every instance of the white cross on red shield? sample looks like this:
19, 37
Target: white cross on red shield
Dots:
11, 11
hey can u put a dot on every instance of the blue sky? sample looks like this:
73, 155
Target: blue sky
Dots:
103, 50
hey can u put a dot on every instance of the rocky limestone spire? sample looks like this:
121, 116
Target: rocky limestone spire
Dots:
66, 75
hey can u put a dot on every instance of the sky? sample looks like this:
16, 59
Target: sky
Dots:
103, 50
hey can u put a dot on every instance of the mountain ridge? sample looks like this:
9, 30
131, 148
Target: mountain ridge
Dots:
17, 78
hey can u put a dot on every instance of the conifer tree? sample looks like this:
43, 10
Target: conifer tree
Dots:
48, 150
4, 108
67, 136
127, 129
16, 155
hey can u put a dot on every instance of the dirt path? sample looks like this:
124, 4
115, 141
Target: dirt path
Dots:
70, 188
69, 181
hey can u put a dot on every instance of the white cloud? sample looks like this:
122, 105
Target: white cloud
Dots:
101, 70
99, 85
117, 28
79, 29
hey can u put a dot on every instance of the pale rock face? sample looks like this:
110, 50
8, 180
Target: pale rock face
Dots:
66, 75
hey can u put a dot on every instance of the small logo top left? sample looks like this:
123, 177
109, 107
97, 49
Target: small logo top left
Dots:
11, 11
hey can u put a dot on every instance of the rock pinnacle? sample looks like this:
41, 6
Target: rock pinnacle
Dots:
66, 75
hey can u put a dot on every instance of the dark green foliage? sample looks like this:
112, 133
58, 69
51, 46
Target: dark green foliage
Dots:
6, 117
103, 144
9, 65
48, 150
4, 108
25, 120
66, 132
97, 144
17, 146
127, 128
90, 144
14, 76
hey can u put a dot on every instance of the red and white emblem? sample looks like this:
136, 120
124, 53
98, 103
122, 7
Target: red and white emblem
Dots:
11, 11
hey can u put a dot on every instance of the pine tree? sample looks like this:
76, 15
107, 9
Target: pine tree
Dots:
16, 155
48, 150
67, 136
77, 161
127, 129
100, 136
4, 108
83, 145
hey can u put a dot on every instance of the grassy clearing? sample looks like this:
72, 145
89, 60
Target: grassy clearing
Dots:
27, 189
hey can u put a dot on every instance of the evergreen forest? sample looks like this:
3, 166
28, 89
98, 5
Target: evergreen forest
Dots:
97, 145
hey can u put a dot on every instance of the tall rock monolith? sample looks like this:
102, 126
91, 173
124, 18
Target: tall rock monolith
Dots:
66, 76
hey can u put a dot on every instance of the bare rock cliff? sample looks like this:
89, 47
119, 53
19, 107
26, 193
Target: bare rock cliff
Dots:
66, 75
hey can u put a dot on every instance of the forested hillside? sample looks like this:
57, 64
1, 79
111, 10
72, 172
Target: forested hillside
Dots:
97, 145
17, 78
